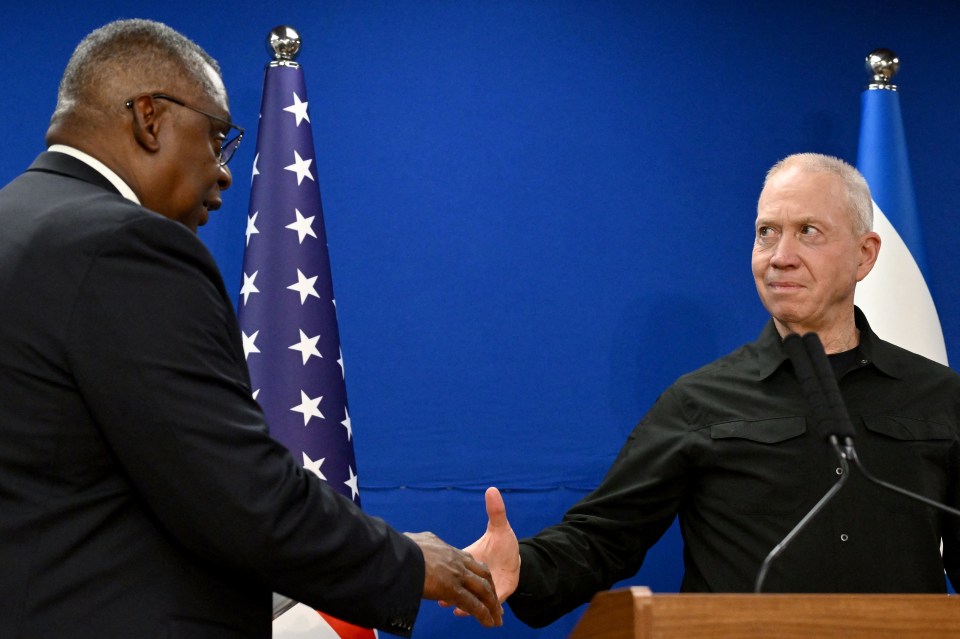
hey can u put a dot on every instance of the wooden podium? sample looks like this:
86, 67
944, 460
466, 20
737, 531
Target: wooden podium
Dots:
636, 613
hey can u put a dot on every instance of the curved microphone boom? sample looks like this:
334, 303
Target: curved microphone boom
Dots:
819, 385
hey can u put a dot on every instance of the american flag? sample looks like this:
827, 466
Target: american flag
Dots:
287, 310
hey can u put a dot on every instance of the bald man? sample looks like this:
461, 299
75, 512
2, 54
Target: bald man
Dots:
140, 494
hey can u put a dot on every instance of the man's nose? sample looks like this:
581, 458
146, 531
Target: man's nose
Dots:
785, 253
225, 179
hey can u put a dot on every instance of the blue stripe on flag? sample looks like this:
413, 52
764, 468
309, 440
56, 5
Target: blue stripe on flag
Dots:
882, 158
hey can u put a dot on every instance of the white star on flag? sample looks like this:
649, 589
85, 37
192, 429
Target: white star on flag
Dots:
306, 286
255, 393
301, 167
249, 343
299, 109
309, 407
252, 226
343, 373
347, 423
314, 466
249, 288
303, 226
352, 483
307, 346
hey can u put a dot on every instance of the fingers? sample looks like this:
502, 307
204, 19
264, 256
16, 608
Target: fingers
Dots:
480, 600
479, 582
454, 577
474, 566
496, 509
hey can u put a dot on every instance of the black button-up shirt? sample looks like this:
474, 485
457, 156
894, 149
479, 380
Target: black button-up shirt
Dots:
733, 450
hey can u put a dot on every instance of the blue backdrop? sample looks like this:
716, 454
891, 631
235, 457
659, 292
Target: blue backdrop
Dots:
539, 213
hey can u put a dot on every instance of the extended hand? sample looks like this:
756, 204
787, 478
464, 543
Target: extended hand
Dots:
498, 547
454, 576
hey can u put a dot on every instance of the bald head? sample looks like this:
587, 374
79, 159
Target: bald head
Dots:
859, 203
121, 60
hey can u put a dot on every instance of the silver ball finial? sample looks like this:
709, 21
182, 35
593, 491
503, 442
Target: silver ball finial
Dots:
882, 65
284, 43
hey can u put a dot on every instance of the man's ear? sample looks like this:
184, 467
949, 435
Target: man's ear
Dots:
146, 122
869, 250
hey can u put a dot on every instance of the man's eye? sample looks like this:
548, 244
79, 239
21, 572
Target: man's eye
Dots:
806, 229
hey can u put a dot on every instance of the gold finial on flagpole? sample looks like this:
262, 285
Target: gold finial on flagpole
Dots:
283, 43
882, 65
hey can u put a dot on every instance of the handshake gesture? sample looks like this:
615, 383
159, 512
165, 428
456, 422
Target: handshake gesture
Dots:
499, 555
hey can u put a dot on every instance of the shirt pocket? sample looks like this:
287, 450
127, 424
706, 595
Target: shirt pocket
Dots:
910, 453
757, 467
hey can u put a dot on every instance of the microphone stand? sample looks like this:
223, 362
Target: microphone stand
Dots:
843, 427
897, 489
813, 512
819, 384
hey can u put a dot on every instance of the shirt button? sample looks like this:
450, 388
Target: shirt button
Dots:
839, 471
863, 362
843, 537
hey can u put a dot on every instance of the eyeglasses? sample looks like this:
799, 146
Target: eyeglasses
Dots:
227, 146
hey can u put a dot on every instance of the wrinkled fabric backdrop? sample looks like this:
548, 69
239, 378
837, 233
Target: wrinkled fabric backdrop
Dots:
539, 213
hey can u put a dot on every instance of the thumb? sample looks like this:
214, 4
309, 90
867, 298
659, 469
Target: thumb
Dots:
496, 510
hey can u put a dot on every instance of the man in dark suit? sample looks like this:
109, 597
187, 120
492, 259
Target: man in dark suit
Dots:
140, 494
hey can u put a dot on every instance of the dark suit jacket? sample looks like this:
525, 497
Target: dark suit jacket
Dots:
140, 494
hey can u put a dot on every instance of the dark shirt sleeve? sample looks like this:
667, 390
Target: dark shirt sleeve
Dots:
155, 352
605, 537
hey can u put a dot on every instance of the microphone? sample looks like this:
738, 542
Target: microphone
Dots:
839, 418
810, 383
813, 392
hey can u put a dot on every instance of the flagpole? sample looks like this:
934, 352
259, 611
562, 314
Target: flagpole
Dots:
284, 43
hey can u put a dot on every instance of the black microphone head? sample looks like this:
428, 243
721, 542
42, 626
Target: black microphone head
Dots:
797, 353
839, 419
813, 345
793, 344
807, 378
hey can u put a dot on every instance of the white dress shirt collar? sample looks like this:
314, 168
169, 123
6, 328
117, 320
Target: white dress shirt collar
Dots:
99, 167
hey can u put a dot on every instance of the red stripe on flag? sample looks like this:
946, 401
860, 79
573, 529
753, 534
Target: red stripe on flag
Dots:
347, 631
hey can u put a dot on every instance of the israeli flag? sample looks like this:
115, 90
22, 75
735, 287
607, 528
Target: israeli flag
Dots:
895, 296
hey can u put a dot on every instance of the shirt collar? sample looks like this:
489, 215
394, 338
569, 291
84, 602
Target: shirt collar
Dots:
770, 354
881, 354
99, 167
769, 351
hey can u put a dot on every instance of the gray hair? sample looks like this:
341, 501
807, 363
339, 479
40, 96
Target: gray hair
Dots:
129, 55
859, 201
